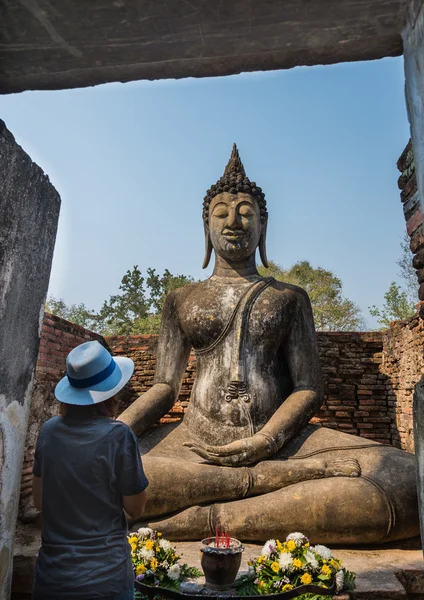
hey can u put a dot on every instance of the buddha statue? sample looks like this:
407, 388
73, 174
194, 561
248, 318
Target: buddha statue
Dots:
245, 457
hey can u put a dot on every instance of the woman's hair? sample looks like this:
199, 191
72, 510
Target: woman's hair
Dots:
108, 408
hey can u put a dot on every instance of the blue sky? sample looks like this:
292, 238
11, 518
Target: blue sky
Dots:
132, 163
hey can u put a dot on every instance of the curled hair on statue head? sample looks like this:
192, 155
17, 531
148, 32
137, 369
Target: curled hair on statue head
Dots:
234, 181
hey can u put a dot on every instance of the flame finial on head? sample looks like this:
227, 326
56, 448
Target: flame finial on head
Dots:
234, 164
235, 180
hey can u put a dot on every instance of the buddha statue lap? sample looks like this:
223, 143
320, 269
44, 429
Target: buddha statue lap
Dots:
245, 457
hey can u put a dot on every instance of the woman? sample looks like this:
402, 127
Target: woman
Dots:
87, 471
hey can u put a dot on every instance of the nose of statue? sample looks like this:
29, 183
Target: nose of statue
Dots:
233, 220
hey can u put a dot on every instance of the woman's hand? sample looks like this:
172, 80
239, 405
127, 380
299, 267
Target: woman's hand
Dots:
242, 452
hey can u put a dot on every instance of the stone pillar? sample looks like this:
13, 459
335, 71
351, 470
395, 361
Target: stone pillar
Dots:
29, 212
413, 41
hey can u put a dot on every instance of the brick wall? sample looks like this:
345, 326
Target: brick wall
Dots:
403, 363
58, 337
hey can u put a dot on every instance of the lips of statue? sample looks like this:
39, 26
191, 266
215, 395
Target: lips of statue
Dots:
234, 225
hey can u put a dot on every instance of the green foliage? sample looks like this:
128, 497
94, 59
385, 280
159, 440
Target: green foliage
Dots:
118, 314
135, 309
399, 300
76, 313
407, 271
396, 306
332, 312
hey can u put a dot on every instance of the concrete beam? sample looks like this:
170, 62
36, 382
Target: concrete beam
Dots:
47, 45
29, 211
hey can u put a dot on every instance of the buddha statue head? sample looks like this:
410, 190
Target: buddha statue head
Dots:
235, 216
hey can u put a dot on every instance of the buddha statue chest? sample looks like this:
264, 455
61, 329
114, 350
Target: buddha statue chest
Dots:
238, 333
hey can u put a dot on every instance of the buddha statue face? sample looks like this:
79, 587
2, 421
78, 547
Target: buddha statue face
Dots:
235, 226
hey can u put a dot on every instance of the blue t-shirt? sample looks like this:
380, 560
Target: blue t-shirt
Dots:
86, 466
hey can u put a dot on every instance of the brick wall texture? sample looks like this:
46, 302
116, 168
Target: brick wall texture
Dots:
368, 380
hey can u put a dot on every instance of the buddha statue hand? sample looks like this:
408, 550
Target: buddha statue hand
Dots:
246, 451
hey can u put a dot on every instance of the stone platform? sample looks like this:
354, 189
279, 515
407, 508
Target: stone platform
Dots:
395, 572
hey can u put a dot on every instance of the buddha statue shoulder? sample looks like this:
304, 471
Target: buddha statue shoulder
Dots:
245, 457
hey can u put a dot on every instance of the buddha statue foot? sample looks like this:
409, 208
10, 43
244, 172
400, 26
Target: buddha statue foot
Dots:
348, 467
269, 476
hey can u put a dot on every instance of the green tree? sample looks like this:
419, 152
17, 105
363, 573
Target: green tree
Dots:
400, 300
138, 306
397, 306
76, 313
407, 271
332, 312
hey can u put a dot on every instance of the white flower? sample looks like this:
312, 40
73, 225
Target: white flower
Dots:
146, 554
297, 537
269, 547
285, 560
339, 580
165, 544
311, 561
174, 572
323, 551
144, 531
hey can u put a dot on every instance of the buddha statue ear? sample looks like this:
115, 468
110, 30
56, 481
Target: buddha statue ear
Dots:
208, 247
262, 244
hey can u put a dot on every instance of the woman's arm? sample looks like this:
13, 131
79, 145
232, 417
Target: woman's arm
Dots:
134, 505
172, 356
37, 492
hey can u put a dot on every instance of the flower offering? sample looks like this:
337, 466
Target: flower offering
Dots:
284, 566
155, 561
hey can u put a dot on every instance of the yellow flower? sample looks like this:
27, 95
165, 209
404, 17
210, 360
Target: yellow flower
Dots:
153, 563
287, 587
326, 570
307, 545
261, 583
132, 539
275, 567
306, 579
291, 545
261, 559
297, 563
157, 548
334, 563
140, 569
149, 544
158, 534
133, 546
280, 546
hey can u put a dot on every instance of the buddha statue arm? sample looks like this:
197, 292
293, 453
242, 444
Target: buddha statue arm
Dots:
172, 356
300, 353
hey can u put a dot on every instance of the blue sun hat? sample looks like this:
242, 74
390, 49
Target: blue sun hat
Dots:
92, 375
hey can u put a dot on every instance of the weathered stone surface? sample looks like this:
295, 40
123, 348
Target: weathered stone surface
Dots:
29, 211
414, 221
418, 414
413, 36
78, 44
